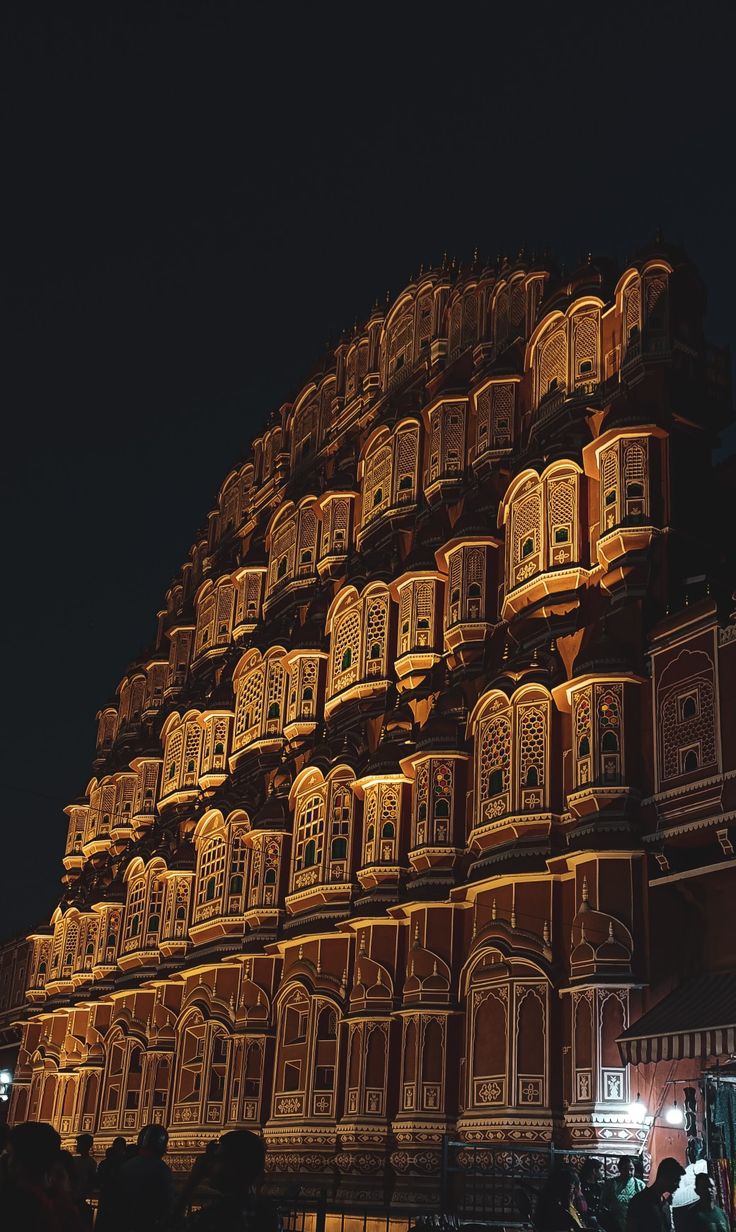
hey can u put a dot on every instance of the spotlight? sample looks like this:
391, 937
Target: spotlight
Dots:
637, 1109
5, 1077
674, 1115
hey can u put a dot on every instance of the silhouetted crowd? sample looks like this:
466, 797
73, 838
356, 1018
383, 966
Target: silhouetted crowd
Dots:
572, 1201
46, 1189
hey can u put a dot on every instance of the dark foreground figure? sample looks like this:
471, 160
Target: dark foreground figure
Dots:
651, 1210
236, 1172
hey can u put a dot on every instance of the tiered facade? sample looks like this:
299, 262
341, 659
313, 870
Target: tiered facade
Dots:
371, 847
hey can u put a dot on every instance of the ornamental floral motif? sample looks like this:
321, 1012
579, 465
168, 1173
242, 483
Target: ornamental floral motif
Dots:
489, 1093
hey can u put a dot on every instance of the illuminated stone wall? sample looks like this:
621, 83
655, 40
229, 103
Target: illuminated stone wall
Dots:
366, 853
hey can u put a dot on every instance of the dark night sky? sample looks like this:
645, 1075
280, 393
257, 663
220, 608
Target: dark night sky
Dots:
196, 196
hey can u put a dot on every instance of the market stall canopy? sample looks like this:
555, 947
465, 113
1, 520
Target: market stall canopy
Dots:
696, 1021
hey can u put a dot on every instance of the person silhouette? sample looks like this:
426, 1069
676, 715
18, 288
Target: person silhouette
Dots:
237, 1171
28, 1199
651, 1210
706, 1215
108, 1176
145, 1189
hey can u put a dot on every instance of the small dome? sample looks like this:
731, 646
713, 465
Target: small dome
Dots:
602, 652
445, 727
479, 517
185, 859
283, 776
273, 813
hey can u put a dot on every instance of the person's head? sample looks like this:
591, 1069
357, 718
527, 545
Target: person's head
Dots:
626, 1167
669, 1175
562, 1185
211, 1148
705, 1188
153, 1140
119, 1147
33, 1149
85, 1143
591, 1170
239, 1162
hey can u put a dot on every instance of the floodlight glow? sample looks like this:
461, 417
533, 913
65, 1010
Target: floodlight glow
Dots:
674, 1115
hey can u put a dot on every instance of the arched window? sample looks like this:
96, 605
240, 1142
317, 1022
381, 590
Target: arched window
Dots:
409, 1099
494, 756
211, 871
217, 1070
310, 827
376, 487
488, 1077
191, 1053
609, 742
398, 343
551, 362
512, 733
530, 1046
135, 905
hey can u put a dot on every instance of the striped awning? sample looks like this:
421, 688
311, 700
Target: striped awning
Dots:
696, 1021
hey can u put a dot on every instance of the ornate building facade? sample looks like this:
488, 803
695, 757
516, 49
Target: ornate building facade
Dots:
426, 788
